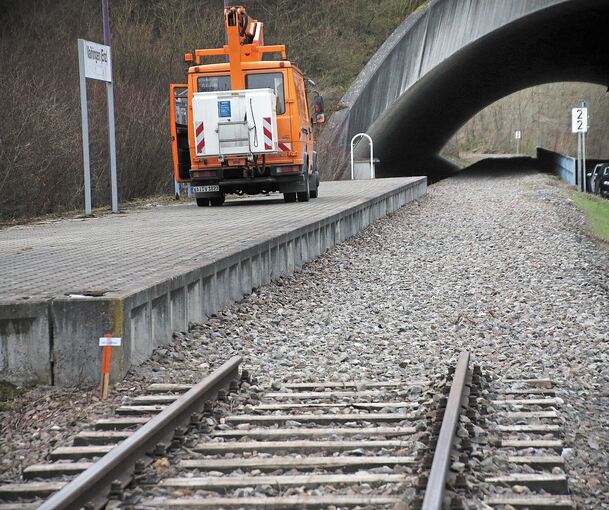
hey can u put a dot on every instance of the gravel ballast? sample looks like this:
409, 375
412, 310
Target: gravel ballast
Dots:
497, 264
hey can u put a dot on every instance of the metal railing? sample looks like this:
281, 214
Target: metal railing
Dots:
362, 135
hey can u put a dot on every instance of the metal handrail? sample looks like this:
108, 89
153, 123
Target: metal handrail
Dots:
92, 487
363, 135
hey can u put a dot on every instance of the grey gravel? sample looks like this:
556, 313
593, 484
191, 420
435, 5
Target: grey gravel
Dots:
498, 264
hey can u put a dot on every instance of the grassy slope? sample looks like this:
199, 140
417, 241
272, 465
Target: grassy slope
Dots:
597, 214
40, 146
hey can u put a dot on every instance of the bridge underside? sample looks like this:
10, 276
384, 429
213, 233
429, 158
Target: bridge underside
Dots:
565, 41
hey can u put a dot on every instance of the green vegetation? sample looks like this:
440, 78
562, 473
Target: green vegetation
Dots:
597, 214
40, 142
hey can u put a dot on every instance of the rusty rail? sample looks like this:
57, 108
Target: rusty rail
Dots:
91, 488
434, 491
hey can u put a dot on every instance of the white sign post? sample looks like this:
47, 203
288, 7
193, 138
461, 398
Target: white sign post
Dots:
95, 62
518, 136
579, 125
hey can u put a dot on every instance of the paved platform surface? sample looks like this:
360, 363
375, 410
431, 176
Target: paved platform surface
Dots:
152, 271
120, 253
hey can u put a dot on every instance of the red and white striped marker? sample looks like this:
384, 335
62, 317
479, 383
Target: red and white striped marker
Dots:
199, 137
268, 133
285, 147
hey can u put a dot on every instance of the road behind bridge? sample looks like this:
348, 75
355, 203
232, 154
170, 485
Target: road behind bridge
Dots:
495, 263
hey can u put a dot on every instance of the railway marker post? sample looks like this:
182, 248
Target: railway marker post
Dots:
518, 137
106, 343
579, 125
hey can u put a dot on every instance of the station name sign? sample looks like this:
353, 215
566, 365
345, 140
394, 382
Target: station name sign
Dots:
97, 60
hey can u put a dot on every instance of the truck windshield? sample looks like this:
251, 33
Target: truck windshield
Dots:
213, 83
272, 81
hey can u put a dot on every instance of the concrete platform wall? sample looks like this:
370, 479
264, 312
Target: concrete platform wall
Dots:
55, 342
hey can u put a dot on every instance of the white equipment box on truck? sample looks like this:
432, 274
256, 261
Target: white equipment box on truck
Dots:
236, 122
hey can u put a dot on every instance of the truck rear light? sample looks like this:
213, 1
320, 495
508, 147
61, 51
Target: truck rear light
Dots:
282, 170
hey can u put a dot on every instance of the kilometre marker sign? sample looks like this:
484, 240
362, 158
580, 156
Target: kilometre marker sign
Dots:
579, 120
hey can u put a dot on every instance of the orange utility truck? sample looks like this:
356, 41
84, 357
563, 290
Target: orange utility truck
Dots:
244, 126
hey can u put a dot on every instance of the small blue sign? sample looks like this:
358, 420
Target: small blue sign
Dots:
224, 109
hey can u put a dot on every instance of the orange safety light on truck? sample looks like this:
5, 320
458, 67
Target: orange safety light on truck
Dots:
244, 126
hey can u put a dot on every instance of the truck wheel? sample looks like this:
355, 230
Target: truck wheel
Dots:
303, 196
289, 197
314, 193
203, 202
217, 201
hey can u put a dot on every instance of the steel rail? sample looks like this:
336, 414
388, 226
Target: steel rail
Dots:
91, 488
434, 491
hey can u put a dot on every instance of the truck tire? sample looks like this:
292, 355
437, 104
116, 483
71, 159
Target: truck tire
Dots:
203, 202
314, 193
303, 196
289, 197
218, 201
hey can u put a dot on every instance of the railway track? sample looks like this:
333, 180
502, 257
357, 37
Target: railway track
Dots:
122, 445
454, 440
525, 466
323, 444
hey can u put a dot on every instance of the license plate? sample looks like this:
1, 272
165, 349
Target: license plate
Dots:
213, 188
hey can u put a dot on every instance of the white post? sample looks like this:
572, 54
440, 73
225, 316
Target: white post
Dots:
579, 161
112, 143
363, 135
85, 126
583, 106
110, 101
585, 181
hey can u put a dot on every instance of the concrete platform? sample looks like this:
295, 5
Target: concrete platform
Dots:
151, 271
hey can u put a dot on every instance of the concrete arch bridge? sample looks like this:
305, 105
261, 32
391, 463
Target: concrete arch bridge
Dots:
450, 60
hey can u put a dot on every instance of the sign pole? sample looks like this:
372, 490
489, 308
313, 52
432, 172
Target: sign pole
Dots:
112, 143
85, 126
579, 160
585, 179
579, 125
110, 102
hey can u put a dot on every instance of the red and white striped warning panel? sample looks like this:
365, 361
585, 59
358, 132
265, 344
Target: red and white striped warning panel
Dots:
268, 133
199, 137
285, 147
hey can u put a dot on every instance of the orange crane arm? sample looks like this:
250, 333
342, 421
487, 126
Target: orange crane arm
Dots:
245, 43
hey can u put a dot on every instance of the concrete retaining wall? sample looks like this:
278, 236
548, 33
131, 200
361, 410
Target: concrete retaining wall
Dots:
51, 342
563, 166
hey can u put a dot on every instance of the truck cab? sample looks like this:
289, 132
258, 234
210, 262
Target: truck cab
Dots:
244, 126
